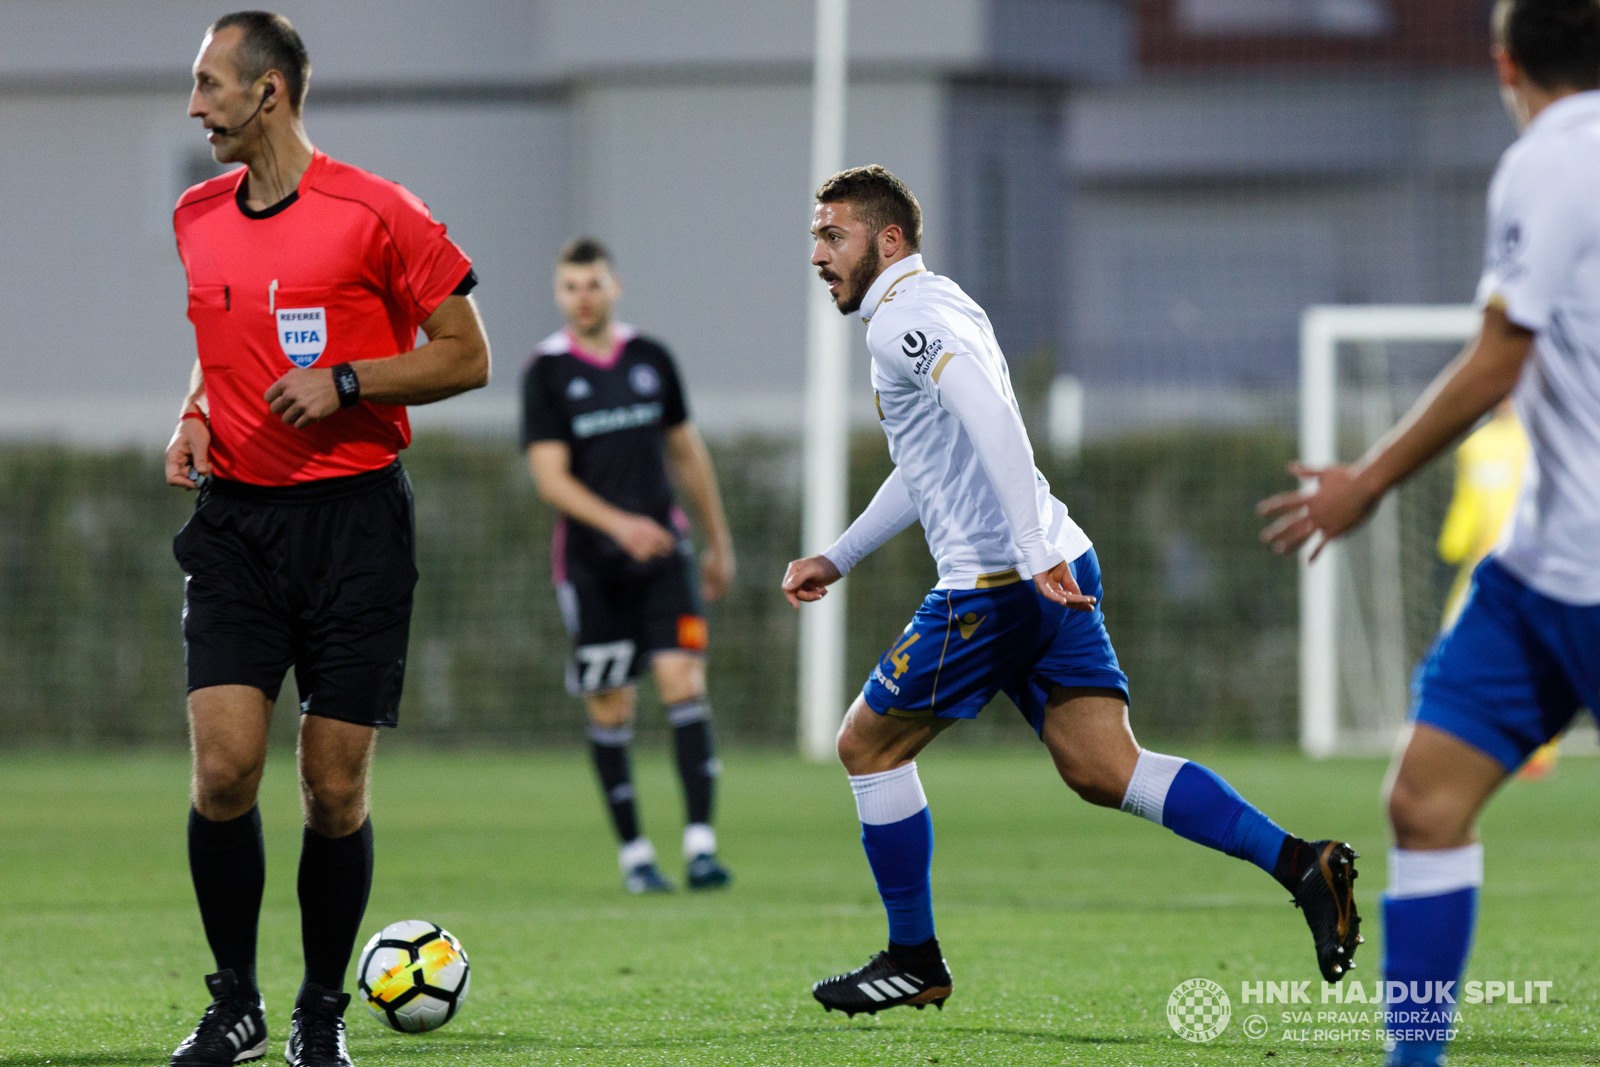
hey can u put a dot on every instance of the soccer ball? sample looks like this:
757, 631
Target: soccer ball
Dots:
413, 976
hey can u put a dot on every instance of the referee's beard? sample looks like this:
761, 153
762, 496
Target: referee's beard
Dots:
860, 279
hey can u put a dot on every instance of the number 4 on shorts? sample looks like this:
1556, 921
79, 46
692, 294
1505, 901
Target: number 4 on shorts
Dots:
900, 657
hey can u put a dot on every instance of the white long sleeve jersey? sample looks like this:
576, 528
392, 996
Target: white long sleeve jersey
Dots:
963, 464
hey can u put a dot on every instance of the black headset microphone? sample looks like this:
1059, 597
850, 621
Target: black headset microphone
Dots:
228, 131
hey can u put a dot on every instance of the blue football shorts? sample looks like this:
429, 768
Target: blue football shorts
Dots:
965, 645
1513, 670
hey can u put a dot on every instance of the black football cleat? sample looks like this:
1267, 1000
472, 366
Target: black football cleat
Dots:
646, 878
883, 983
233, 1029
316, 1029
705, 871
1325, 894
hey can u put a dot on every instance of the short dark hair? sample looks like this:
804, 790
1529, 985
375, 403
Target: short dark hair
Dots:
1555, 42
879, 198
581, 251
269, 42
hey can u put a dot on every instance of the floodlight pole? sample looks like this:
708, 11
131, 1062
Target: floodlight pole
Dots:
827, 425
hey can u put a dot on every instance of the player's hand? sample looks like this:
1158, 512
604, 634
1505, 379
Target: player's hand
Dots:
189, 449
1333, 507
1059, 585
643, 538
303, 396
808, 579
716, 572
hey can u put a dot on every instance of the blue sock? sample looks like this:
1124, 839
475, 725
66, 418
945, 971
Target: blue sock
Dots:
1193, 802
1428, 917
897, 834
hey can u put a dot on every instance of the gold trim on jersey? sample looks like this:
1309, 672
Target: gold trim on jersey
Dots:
939, 369
997, 579
878, 400
950, 618
888, 296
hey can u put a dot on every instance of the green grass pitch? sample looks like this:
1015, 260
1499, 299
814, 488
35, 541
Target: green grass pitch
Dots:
1066, 926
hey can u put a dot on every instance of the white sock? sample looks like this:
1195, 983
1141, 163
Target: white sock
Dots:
888, 796
635, 853
1147, 789
1414, 873
699, 839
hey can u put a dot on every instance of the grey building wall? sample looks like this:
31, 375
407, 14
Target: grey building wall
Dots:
679, 133
101, 347
492, 42
702, 190
1204, 215
1005, 218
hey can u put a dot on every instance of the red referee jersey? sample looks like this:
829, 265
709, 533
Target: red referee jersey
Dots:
345, 269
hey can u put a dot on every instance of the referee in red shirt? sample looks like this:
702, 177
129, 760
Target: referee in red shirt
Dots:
308, 280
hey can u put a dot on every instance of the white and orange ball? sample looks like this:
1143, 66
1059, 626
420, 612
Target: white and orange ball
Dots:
413, 976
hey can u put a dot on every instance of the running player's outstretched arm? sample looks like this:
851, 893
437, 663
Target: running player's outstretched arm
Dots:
190, 447
890, 511
1344, 494
971, 393
1535, 237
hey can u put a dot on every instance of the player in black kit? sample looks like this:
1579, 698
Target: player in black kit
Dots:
603, 418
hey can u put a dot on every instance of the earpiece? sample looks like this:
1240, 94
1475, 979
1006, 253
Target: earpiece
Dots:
226, 130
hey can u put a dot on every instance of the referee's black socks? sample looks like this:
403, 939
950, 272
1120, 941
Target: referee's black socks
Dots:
608, 745
697, 760
228, 861
335, 878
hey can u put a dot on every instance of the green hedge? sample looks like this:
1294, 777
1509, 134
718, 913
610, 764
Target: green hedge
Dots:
90, 647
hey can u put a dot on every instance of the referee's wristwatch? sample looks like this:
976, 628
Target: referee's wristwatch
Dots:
347, 385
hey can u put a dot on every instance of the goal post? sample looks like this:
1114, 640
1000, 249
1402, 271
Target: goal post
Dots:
1369, 655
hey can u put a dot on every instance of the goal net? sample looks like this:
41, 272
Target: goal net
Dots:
1371, 604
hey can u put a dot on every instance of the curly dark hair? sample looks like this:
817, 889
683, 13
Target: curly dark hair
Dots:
879, 199
1555, 42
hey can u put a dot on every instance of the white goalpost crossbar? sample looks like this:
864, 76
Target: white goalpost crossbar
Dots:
1322, 330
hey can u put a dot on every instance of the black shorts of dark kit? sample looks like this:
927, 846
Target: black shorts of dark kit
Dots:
620, 618
317, 576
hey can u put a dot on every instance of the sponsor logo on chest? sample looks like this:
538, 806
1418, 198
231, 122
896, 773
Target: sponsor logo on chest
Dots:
610, 420
302, 333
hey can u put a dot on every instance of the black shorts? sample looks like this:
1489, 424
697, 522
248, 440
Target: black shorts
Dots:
316, 576
619, 620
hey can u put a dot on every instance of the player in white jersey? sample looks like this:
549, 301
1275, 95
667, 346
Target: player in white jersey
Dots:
1524, 654
1016, 609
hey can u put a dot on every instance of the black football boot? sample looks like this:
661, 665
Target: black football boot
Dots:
233, 1029
883, 983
